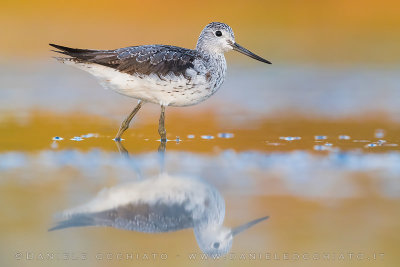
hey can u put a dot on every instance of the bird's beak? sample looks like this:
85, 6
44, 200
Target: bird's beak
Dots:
246, 226
243, 50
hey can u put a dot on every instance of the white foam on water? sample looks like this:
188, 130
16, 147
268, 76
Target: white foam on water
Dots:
290, 138
344, 137
207, 137
226, 135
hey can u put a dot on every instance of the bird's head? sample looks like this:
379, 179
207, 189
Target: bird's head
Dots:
219, 38
214, 241
217, 241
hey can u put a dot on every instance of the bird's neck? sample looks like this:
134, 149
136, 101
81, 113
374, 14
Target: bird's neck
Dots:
217, 65
212, 55
208, 48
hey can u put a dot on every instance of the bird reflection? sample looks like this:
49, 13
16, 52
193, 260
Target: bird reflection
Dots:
164, 203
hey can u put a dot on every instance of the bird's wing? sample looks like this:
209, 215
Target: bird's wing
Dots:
142, 60
139, 217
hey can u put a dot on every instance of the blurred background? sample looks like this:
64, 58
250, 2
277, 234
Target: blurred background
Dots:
304, 32
311, 140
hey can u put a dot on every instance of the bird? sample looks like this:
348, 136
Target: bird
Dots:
165, 75
163, 203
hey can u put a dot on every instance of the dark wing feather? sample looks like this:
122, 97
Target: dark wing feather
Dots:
144, 60
146, 218
87, 55
135, 217
159, 59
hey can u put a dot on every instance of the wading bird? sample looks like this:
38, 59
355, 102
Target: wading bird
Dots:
161, 74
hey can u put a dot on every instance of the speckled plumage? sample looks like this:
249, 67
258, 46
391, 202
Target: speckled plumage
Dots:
160, 204
161, 74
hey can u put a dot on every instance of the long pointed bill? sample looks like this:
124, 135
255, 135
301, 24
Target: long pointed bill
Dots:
246, 52
246, 226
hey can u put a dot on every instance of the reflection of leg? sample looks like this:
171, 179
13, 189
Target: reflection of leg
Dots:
125, 154
125, 123
161, 125
162, 146
122, 150
161, 156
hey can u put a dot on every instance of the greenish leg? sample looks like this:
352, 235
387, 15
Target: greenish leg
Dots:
125, 123
161, 126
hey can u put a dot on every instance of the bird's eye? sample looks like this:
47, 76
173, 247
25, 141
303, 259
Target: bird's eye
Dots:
218, 33
216, 245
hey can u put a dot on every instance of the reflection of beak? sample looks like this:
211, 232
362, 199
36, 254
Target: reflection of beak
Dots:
243, 50
243, 227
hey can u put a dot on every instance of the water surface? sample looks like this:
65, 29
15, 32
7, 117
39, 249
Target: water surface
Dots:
315, 149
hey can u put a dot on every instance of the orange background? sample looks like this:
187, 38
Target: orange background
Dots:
327, 31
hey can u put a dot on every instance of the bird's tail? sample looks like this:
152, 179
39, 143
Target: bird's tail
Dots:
78, 220
102, 57
83, 54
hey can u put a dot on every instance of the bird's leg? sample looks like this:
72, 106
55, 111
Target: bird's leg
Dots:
162, 131
161, 126
125, 123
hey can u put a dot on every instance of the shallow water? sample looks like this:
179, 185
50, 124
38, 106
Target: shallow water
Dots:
316, 150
